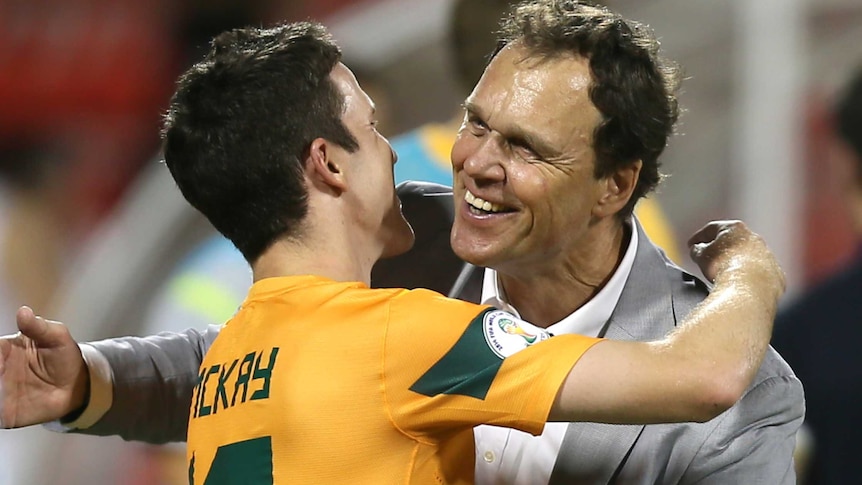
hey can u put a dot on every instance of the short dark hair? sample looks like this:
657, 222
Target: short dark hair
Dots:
242, 119
632, 86
848, 118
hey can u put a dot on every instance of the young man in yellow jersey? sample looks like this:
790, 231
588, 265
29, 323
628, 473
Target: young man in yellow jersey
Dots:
320, 379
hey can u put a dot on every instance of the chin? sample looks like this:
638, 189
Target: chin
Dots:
400, 242
477, 256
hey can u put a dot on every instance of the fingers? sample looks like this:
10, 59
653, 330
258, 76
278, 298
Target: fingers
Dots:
714, 246
719, 233
29, 324
723, 246
705, 234
714, 230
37, 328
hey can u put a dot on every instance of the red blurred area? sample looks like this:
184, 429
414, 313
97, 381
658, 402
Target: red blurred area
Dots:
829, 240
95, 75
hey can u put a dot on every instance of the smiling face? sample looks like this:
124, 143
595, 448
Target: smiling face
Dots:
369, 169
524, 165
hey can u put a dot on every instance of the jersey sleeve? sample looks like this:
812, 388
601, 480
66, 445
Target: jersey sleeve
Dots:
451, 365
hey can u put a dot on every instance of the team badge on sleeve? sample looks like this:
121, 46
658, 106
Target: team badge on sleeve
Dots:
507, 334
469, 367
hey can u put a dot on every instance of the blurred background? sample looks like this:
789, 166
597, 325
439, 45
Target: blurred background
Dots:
93, 232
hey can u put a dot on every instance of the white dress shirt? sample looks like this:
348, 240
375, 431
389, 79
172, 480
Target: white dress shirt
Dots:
508, 456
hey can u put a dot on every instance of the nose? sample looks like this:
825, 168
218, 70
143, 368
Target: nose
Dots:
484, 160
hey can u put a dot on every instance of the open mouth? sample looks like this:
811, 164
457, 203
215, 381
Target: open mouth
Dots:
479, 206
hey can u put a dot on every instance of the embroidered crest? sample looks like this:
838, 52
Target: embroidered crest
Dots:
507, 334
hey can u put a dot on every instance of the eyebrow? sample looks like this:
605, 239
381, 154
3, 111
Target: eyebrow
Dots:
516, 133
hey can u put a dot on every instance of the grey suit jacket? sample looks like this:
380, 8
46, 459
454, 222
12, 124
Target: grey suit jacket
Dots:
750, 443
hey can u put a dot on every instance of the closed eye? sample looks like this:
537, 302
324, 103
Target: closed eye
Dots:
523, 146
476, 123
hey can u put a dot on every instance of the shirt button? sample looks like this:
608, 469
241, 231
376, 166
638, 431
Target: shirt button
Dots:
489, 457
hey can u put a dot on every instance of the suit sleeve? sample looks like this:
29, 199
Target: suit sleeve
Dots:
754, 440
153, 379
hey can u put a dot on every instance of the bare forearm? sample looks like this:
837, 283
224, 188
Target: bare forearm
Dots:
693, 375
704, 366
722, 343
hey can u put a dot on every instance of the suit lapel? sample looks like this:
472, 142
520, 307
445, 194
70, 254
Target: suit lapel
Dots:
647, 298
594, 452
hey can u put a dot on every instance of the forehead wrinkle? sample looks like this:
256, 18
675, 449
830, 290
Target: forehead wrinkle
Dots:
506, 100
511, 130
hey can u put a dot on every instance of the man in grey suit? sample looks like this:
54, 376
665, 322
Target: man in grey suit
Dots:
561, 138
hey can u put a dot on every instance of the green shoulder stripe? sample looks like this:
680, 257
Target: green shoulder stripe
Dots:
468, 369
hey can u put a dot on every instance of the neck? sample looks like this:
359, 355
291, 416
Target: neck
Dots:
546, 294
330, 254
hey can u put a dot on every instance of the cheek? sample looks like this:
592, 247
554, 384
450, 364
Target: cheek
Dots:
530, 185
553, 201
464, 145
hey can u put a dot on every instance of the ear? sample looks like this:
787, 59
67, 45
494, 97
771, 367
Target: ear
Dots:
617, 189
323, 165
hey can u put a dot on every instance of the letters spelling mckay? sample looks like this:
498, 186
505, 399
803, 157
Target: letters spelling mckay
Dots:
232, 383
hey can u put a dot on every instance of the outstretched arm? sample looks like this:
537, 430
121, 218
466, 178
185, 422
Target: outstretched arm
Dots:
703, 367
137, 388
141, 386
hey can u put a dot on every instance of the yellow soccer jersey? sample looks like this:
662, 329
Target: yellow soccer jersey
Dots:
316, 381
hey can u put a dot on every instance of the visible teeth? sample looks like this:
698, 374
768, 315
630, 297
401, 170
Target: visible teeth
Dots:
482, 204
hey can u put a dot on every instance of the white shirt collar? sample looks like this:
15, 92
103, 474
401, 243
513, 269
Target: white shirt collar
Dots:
589, 318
